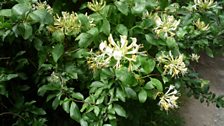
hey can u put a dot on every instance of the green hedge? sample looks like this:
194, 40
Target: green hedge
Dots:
104, 62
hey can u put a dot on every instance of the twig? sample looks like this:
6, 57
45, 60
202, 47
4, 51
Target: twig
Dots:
11, 113
4, 58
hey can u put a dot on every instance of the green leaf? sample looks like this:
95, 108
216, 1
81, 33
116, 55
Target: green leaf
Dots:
84, 20
164, 3
23, 29
49, 87
27, 30
100, 100
122, 29
57, 52
74, 112
171, 42
83, 122
105, 28
81, 53
6, 12
122, 7
107, 125
3, 90
139, 7
58, 36
19, 9
78, 96
120, 94
94, 32
119, 110
130, 92
125, 76
41, 16
66, 105
147, 64
38, 111
85, 40
142, 96
97, 84
151, 40
96, 110
7, 77
55, 103
209, 52
154, 83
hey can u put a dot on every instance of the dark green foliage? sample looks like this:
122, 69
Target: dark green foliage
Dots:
48, 61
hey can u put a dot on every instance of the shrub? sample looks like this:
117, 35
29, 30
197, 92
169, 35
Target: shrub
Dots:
104, 62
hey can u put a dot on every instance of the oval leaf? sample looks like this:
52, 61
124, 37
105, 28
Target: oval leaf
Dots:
57, 52
74, 112
142, 96
119, 110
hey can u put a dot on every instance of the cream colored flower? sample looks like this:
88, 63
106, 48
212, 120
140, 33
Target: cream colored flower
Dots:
96, 6
98, 61
54, 78
172, 65
166, 25
195, 57
204, 4
201, 25
43, 6
68, 23
119, 51
168, 100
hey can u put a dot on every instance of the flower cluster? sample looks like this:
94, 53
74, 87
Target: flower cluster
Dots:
96, 6
165, 25
195, 57
69, 24
204, 4
119, 51
172, 65
43, 6
168, 100
201, 25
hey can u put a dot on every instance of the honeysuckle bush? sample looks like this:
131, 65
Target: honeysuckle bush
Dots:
104, 62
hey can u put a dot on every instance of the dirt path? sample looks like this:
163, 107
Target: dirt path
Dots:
197, 114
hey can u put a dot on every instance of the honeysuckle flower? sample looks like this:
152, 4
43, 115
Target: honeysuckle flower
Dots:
98, 61
195, 57
172, 7
169, 99
201, 25
68, 23
96, 6
165, 25
204, 4
172, 65
54, 78
91, 20
42, 6
118, 51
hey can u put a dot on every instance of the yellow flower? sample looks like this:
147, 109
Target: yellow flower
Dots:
96, 6
204, 4
172, 65
201, 25
168, 100
165, 25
